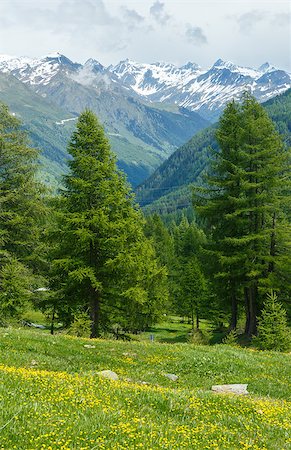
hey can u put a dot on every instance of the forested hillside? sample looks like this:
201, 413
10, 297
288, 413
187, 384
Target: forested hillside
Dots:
168, 188
90, 261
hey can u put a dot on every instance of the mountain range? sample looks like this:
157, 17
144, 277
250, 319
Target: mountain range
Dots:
205, 91
148, 110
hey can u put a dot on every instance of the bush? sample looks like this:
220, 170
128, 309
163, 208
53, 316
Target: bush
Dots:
273, 331
231, 338
198, 337
81, 326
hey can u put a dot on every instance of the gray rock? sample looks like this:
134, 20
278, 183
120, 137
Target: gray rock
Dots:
89, 346
129, 380
238, 389
171, 376
129, 354
108, 374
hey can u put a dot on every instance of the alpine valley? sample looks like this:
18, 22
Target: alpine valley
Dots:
169, 188
148, 110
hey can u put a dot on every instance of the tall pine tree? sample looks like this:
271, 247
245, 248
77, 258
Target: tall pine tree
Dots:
105, 263
243, 205
21, 214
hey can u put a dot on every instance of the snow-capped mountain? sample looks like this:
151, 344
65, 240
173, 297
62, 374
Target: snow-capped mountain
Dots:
203, 91
37, 71
141, 134
150, 80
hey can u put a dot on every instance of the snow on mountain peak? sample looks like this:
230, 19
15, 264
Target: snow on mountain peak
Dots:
205, 91
244, 71
10, 63
6, 57
36, 71
266, 67
221, 64
94, 65
190, 66
52, 55
92, 62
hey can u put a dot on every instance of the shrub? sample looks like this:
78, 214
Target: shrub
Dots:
198, 337
273, 331
81, 325
231, 338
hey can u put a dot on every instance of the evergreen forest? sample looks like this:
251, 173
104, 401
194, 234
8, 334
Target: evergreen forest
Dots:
96, 264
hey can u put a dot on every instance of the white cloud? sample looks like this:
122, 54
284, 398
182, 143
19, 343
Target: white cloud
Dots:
248, 21
87, 77
195, 35
151, 30
157, 11
282, 19
132, 17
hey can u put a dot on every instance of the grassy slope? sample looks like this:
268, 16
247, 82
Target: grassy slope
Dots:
51, 397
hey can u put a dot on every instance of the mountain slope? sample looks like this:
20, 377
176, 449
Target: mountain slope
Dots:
49, 127
168, 189
143, 136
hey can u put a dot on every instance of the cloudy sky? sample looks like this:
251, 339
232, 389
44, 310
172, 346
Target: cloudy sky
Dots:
245, 32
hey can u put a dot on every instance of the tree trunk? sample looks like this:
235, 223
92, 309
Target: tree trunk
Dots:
247, 309
95, 314
197, 319
192, 320
233, 321
251, 310
53, 321
272, 244
95, 300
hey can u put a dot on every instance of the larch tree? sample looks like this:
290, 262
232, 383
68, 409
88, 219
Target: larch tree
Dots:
104, 261
217, 204
189, 284
21, 213
242, 205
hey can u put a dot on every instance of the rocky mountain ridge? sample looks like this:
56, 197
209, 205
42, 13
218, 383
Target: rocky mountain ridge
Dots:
205, 91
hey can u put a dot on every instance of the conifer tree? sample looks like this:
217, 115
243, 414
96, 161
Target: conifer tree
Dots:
189, 283
273, 331
243, 205
193, 290
163, 243
21, 214
20, 193
105, 263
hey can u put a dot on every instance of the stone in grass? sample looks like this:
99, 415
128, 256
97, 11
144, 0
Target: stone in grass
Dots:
108, 374
171, 376
89, 346
238, 389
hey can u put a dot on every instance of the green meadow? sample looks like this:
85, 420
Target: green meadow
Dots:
52, 397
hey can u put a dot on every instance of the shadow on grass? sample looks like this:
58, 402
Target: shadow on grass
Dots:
164, 330
182, 338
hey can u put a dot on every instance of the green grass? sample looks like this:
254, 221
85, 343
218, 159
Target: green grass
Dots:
175, 330
172, 330
52, 398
